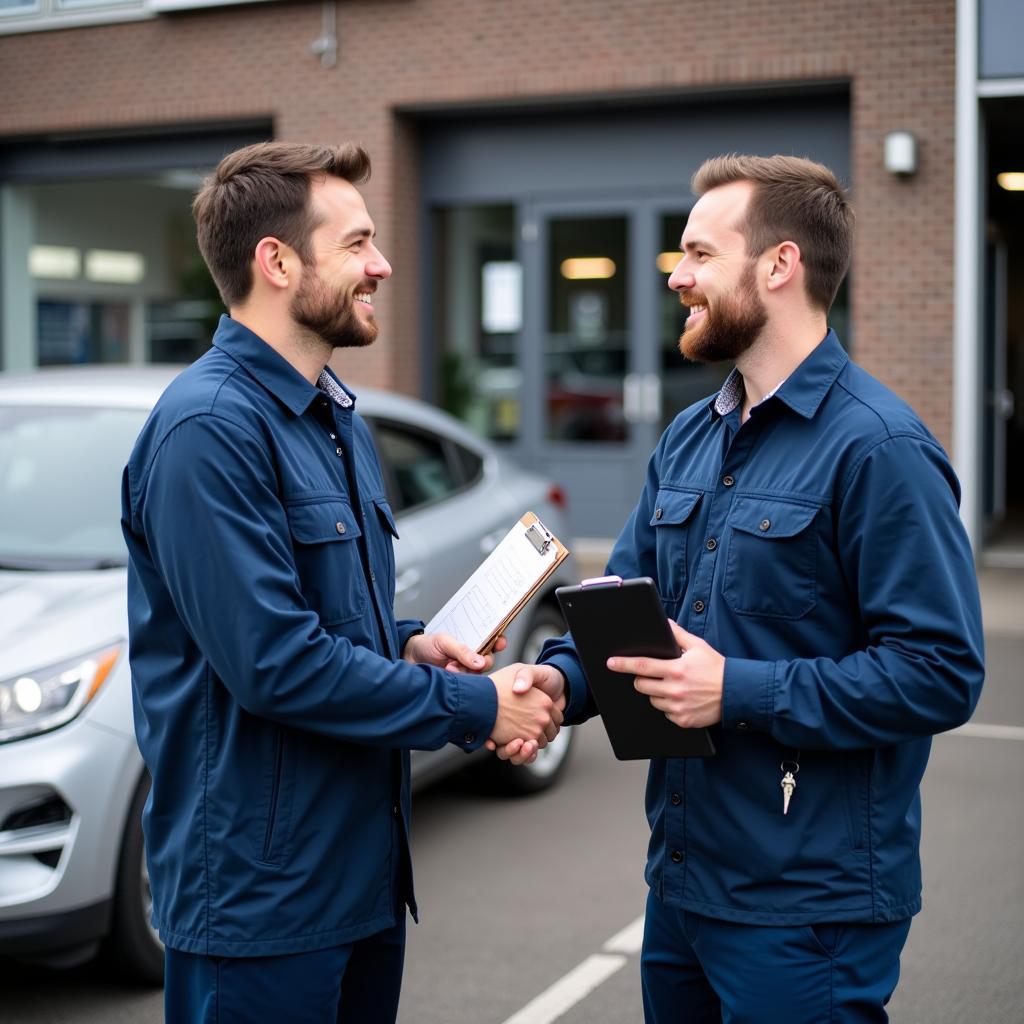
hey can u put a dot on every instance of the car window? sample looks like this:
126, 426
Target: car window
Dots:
60, 485
471, 464
417, 463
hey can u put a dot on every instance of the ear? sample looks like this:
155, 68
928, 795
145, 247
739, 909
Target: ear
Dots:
784, 266
275, 263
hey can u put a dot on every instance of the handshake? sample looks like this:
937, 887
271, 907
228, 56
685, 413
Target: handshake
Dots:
531, 698
531, 701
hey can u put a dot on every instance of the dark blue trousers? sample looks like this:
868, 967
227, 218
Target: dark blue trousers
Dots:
354, 984
699, 970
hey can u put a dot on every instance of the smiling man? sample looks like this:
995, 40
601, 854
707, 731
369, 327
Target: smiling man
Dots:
802, 529
276, 696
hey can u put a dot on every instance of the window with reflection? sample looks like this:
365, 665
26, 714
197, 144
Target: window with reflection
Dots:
479, 318
586, 346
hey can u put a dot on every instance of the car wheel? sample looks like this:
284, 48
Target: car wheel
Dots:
134, 948
502, 777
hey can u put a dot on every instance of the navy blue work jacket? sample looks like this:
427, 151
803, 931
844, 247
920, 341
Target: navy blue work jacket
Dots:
818, 547
271, 704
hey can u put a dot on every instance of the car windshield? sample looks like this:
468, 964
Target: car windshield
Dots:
60, 485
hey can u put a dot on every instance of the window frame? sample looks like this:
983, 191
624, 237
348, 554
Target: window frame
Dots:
449, 449
44, 15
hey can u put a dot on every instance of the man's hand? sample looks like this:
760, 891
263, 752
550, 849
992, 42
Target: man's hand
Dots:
527, 714
542, 677
446, 652
688, 689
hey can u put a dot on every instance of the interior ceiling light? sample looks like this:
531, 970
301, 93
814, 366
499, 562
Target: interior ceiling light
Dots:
54, 261
1012, 181
668, 261
114, 267
588, 268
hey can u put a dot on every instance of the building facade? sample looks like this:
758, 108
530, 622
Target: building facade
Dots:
531, 169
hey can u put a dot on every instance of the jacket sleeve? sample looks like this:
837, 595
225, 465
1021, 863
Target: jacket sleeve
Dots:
910, 571
633, 555
210, 514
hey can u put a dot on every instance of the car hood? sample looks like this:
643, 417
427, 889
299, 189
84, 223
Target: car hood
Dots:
45, 616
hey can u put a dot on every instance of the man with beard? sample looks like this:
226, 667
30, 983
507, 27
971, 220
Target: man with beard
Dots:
275, 693
803, 532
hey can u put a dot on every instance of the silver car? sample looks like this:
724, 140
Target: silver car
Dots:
72, 783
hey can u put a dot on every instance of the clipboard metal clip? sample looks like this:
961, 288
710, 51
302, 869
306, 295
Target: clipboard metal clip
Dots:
539, 538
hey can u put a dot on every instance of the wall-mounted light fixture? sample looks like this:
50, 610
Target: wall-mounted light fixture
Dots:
588, 268
668, 261
58, 262
901, 153
1012, 181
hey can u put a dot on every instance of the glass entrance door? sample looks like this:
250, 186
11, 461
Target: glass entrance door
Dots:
589, 356
558, 339
586, 330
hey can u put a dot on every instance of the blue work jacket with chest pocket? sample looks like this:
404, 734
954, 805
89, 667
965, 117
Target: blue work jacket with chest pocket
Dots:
818, 548
271, 704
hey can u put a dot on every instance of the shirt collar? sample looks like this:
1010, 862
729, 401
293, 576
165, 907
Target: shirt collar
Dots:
274, 372
803, 390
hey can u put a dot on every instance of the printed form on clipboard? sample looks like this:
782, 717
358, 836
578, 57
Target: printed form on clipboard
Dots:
480, 611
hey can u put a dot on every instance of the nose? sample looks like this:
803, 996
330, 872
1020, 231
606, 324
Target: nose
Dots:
377, 266
680, 279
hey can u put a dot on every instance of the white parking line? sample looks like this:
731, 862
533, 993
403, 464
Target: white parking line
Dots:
629, 940
569, 990
982, 731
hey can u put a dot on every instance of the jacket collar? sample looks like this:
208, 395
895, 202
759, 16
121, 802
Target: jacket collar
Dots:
805, 388
268, 367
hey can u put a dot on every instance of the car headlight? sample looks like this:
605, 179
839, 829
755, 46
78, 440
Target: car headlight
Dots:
35, 702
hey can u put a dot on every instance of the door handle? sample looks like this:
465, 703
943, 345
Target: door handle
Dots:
652, 397
632, 397
407, 580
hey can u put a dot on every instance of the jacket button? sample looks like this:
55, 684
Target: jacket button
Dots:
711, 544
340, 527
394, 810
698, 606
728, 480
373, 576
337, 451
677, 856
658, 513
742, 726
676, 799
469, 738
765, 524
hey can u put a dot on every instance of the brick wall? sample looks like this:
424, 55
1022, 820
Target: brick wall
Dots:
248, 62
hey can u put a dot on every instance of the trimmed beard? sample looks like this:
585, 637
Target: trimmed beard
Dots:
330, 316
729, 328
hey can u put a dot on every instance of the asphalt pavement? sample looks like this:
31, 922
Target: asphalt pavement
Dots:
530, 906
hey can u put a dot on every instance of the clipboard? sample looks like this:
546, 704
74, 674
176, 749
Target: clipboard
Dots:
482, 608
610, 616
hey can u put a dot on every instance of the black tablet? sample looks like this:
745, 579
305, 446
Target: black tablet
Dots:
610, 616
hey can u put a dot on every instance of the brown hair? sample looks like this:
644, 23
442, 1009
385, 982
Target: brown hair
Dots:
263, 190
793, 200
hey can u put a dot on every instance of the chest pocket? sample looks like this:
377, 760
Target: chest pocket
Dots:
382, 548
771, 565
671, 519
324, 533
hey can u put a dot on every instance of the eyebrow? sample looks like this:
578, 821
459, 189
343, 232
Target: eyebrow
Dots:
351, 236
696, 244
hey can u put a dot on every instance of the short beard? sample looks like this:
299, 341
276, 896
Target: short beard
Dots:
730, 328
330, 317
